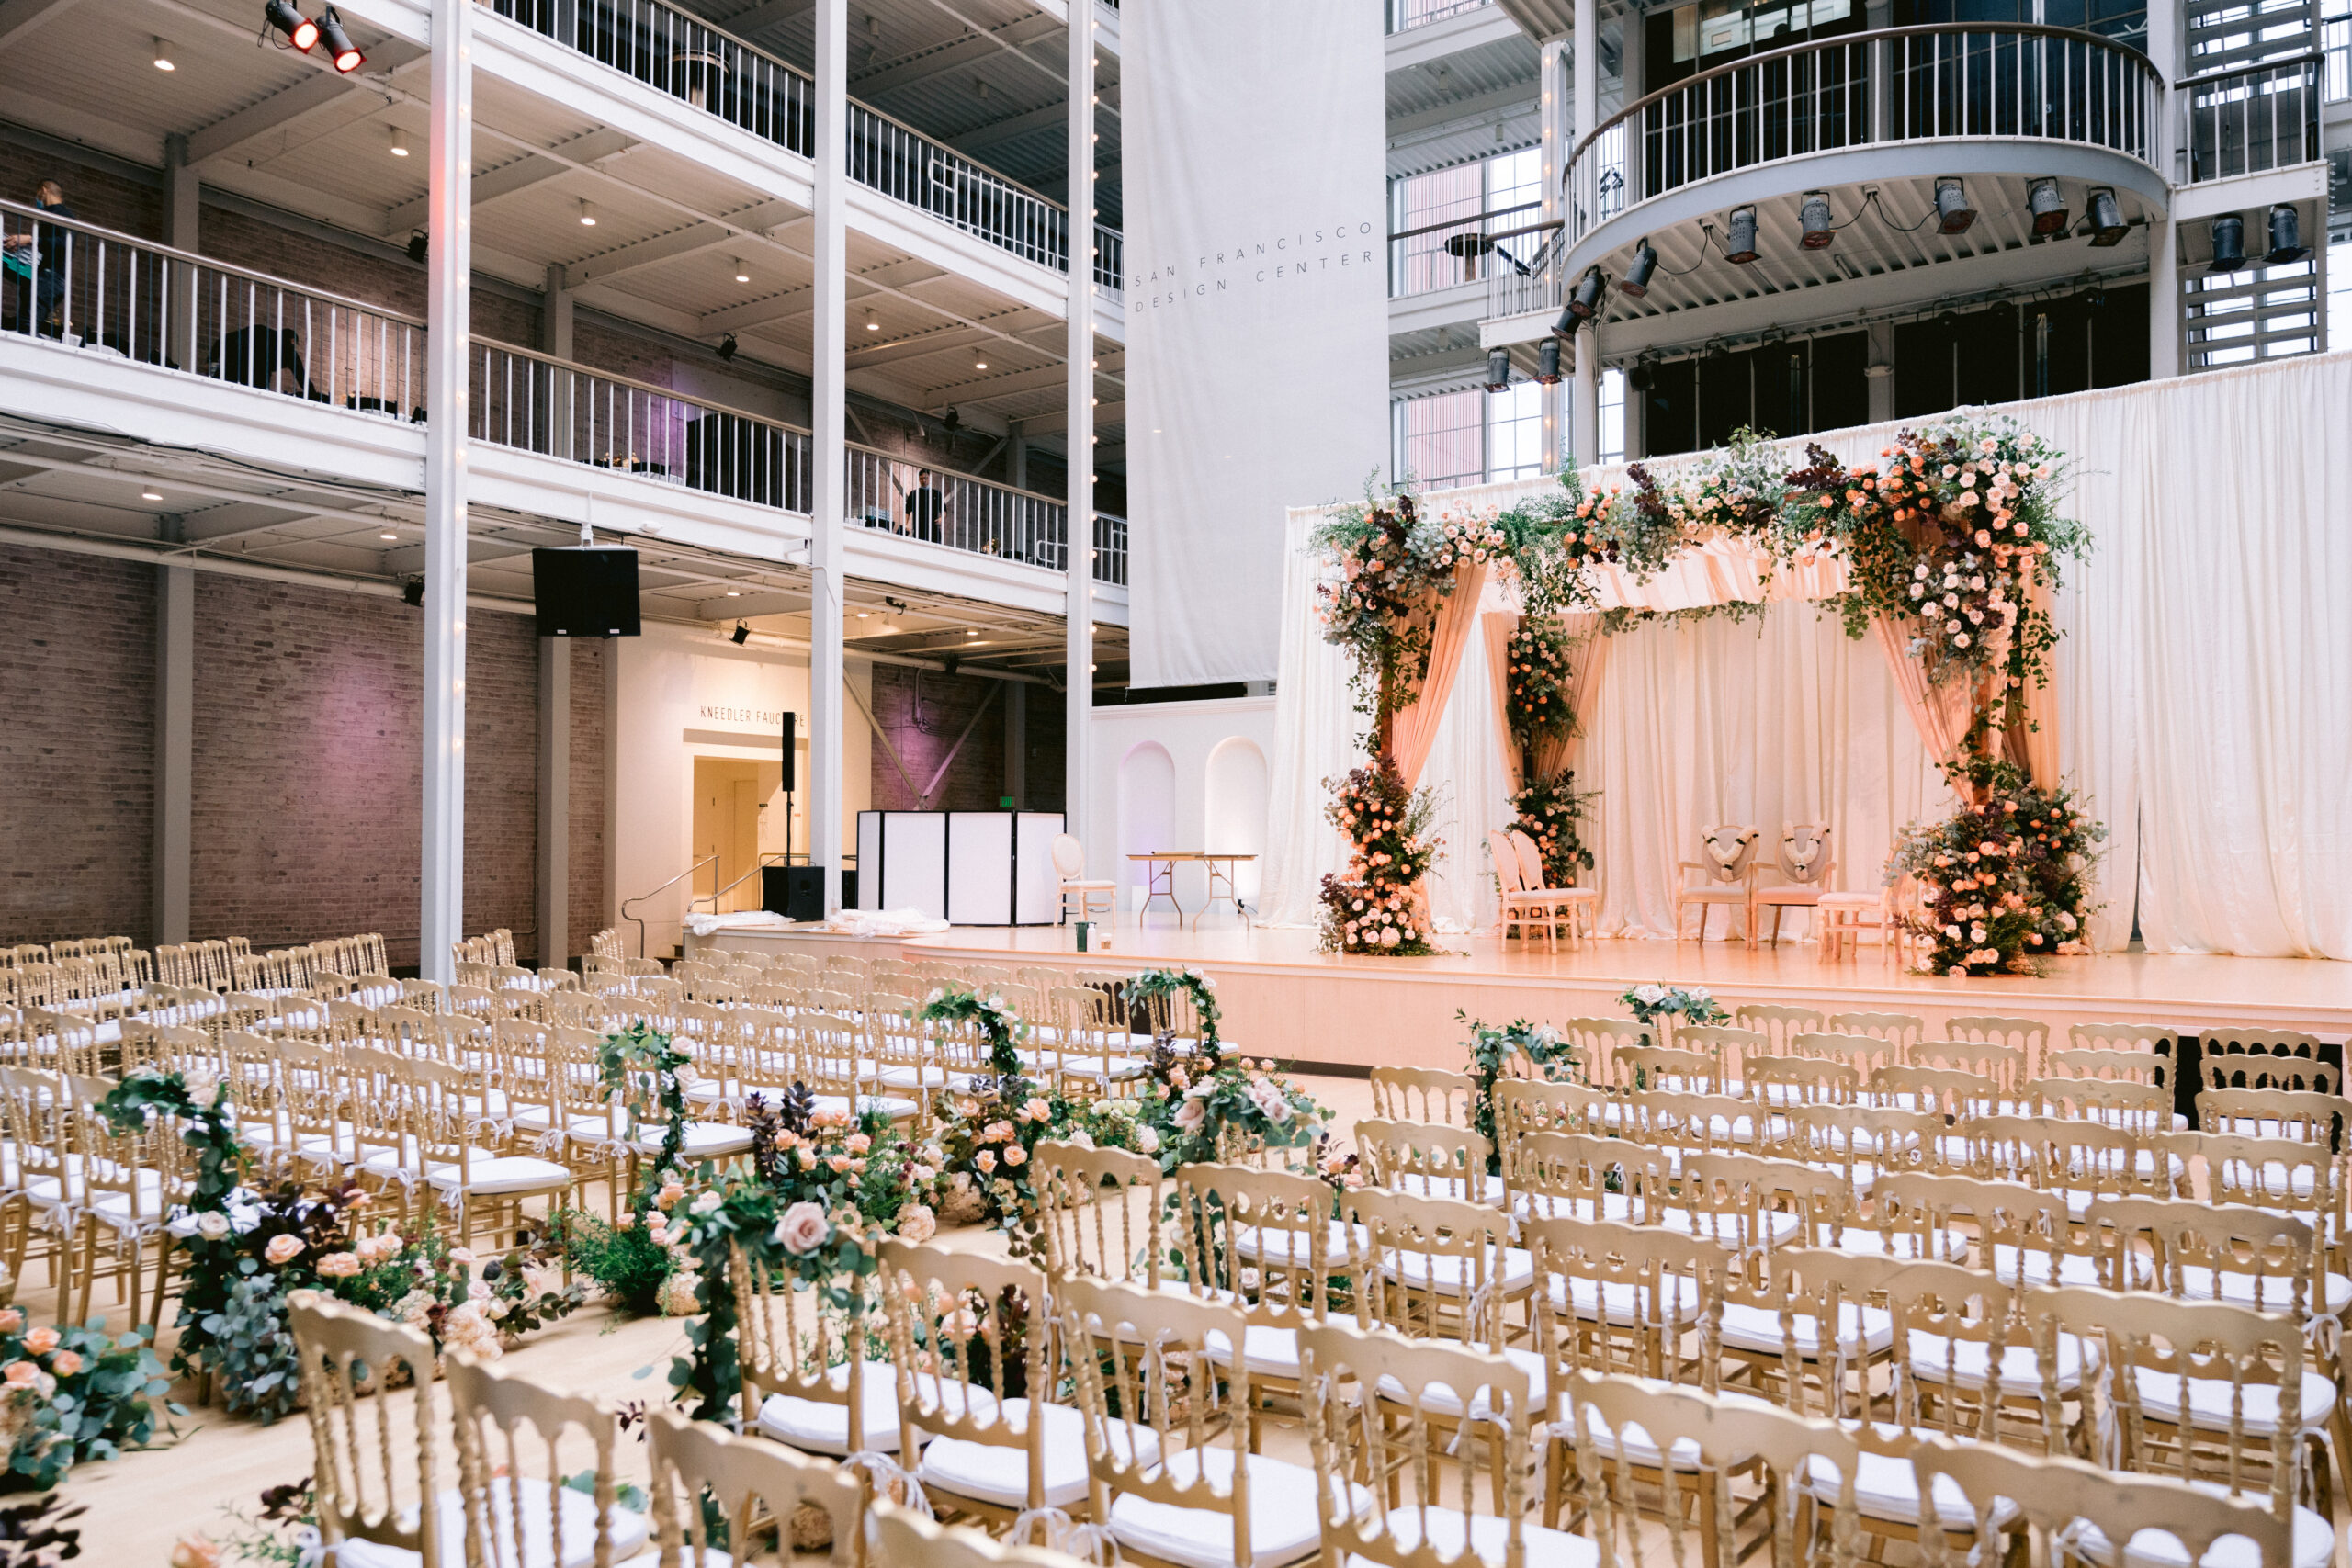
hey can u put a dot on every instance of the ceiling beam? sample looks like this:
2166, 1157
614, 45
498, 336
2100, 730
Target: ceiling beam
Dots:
769, 219
1516, 98
596, 147
19, 17
281, 111
1055, 423
1013, 127
974, 46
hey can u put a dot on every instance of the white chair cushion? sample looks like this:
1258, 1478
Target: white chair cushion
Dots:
1451, 1276
1759, 1329
989, 1472
2020, 1367
1490, 1540
1625, 1302
2275, 1290
1267, 1351
1641, 1449
1437, 1399
630, 1532
888, 1105
2315, 1543
817, 1426
1477, 1189
704, 1140
2072, 1268
2210, 1399
1888, 1488
1283, 1523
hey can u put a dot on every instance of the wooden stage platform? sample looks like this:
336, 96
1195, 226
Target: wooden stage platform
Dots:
1283, 998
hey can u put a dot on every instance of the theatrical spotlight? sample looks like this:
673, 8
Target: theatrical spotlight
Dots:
740, 635
1740, 248
2047, 205
727, 347
2286, 236
1499, 370
1819, 235
2105, 219
340, 48
1547, 362
412, 591
1586, 305
1636, 281
297, 28
2229, 243
1953, 215
1640, 376
416, 246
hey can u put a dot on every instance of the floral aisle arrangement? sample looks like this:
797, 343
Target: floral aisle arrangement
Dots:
2006, 882
1550, 812
1377, 904
69, 1395
1224, 1109
1143, 988
1692, 1004
1493, 1049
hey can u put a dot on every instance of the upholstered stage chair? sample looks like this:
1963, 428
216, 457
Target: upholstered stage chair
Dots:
1729, 873
1807, 864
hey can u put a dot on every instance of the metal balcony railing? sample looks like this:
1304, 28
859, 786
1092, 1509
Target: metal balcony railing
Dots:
1404, 16
109, 293
2005, 81
78, 283
559, 410
1454, 251
2253, 117
690, 59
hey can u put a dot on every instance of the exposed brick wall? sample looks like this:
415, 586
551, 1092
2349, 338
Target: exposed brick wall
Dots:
591, 904
309, 766
95, 196
77, 806
922, 712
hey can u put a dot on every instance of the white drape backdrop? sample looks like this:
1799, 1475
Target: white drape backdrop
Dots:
2204, 690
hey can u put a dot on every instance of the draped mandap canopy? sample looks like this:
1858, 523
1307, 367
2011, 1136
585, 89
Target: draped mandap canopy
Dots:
2201, 697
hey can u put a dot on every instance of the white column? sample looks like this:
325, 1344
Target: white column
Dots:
1080, 587
1583, 404
828, 449
1553, 161
174, 747
2164, 299
449, 270
554, 801
176, 616
1880, 371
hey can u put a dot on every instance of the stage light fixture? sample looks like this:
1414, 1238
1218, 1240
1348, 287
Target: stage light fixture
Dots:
2047, 205
164, 56
1547, 362
1636, 281
873, 322
399, 143
1819, 232
417, 245
587, 213
2229, 243
1499, 370
951, 421
344, 54
297, 28
727, 347
412, 591
1640, 376
2286, 236
740, 635
1953, 215
2105, 219
1740, 248
1587, 301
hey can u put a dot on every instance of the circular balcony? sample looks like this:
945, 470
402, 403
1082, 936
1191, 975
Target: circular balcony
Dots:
1869, 121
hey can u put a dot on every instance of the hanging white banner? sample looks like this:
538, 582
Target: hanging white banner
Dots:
1257, 306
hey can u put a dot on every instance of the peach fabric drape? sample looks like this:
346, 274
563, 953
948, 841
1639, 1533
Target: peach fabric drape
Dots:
1414, 730
1587, 655
1497, 626
2029, 729
1940, 711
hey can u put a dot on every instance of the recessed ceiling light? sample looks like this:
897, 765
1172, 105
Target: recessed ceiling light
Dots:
151, 495
164, 56
388, 534
587, 214
971, 631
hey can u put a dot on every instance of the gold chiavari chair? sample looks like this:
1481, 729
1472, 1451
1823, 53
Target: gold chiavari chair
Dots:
2223, 1252
1901, 1029
815, 1379
2141, 1050
1640, 1300
907, 1538
39, 1174
1423, 1094
829, 1056
1429, 1160
1088, 1047
520, 1509
1782, 1081
1594, 1041
1866, 1053
1174, 1478
2266, 1058
1643, 1068
2144, 1108
710, 1490
1589, 1176
2305, 1115
2066, 1510
1439, 1269
2030, 1037
968, 1342
1778, 1023
1099, 1212
2278, 1176
378, 1481
123, 1187
1270, 1241
1527, 1105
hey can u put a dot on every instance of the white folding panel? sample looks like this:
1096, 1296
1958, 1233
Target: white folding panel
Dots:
979, 868
1036, 887
869, 859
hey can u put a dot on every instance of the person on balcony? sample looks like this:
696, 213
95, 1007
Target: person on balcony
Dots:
36, 266
926, 509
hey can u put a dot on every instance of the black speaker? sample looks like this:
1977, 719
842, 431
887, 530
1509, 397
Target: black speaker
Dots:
791, 749
796, 892
586, 591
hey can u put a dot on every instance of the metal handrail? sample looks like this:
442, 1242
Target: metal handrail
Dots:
1474, 218
2228, 137
664, 888
759, 863
1847, 40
